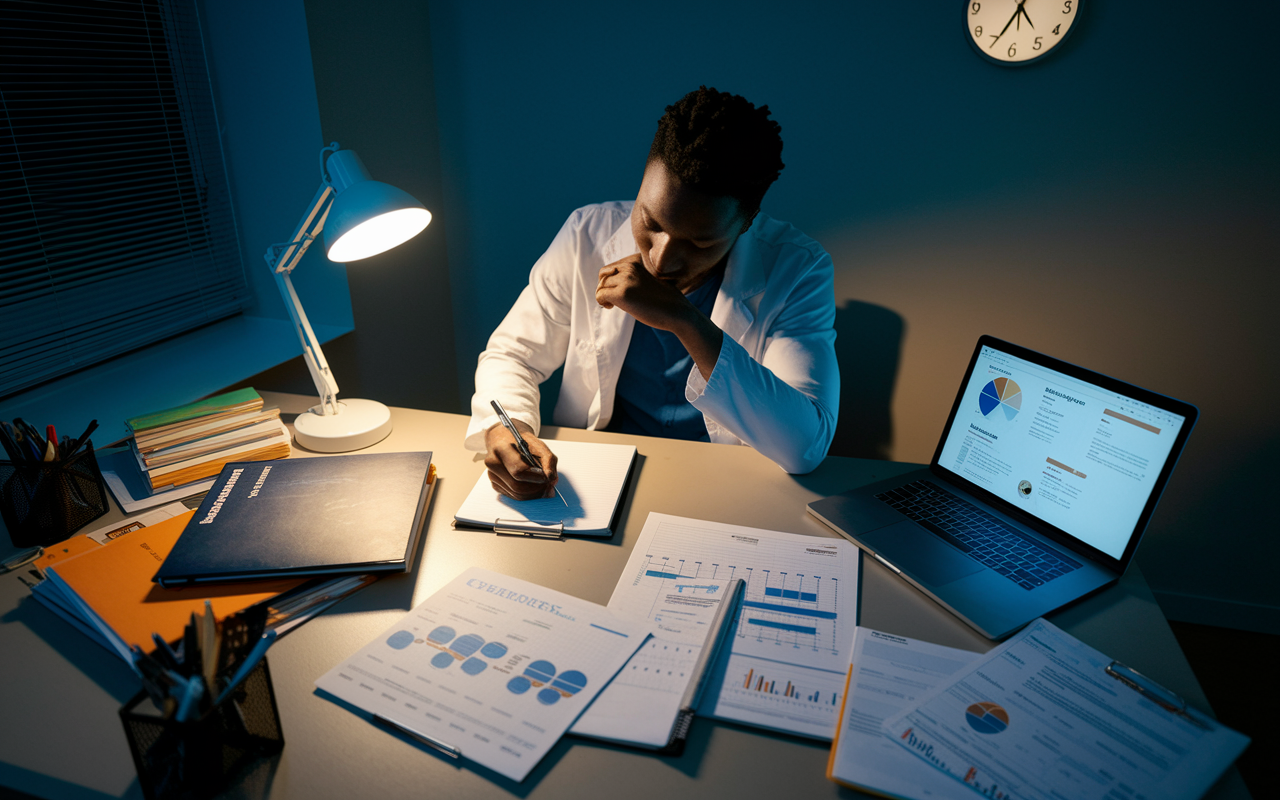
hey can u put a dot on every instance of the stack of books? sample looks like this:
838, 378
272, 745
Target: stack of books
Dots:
181, 445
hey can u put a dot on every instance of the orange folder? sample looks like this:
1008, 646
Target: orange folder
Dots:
111, 586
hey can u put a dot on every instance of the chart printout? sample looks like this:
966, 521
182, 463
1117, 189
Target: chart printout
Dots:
641, 704
493, 666
888, 674
1039, 717
786, 669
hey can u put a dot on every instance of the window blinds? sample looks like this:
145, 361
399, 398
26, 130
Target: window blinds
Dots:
116, 227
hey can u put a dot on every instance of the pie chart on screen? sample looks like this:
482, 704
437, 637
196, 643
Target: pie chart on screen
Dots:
1001, 393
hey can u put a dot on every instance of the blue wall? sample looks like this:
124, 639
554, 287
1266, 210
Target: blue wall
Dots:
1115, 205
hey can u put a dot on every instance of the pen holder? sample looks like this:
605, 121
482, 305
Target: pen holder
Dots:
197, 759
44, 502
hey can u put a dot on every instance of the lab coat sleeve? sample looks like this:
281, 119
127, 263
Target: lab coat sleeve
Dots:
531, 342
785, 404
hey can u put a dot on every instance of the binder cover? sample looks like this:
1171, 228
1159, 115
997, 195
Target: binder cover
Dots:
305, 516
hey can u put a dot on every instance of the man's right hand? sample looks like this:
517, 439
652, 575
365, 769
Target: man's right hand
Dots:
508, 471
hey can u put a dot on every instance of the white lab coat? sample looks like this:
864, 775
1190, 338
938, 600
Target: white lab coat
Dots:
775, 387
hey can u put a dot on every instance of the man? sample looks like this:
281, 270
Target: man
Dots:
685, 314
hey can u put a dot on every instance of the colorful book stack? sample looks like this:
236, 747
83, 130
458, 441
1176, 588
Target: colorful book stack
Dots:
185, 444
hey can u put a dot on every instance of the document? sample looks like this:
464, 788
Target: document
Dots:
593, 479
491, 668
1041, 717
784, 667
887, 675
641, 705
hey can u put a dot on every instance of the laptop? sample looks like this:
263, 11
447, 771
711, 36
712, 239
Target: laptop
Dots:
1037, 495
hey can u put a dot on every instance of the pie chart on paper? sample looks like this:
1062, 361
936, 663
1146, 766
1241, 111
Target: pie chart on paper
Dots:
1001, 393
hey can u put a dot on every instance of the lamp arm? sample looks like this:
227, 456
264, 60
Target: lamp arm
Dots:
281, 259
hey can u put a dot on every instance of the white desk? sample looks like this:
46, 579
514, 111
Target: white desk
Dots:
59, 694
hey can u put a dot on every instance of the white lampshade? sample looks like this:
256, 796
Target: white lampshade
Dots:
368, 216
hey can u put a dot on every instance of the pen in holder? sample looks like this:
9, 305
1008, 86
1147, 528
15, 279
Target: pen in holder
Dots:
196, 759
44, 502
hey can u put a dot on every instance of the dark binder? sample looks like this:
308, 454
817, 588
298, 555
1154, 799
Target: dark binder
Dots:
305, 516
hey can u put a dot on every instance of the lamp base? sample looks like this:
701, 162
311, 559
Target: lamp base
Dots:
358, 423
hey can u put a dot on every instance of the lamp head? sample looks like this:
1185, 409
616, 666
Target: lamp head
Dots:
368, 216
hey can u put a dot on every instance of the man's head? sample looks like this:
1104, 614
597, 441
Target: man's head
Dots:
712, 160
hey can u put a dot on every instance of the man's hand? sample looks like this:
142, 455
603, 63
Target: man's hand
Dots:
627, 285
510, 474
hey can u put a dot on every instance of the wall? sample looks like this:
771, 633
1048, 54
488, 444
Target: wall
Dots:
372, 90
1114, 206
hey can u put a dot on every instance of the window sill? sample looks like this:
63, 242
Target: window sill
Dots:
164, 375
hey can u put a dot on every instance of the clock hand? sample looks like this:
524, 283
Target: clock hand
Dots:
1007, 24
1022, 9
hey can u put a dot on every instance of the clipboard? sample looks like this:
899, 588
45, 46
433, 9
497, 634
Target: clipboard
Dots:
1044, 696
594, 480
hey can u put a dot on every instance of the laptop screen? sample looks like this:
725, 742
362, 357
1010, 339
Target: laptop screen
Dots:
1080, 457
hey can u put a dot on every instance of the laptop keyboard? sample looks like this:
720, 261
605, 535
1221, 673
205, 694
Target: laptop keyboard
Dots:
978, 534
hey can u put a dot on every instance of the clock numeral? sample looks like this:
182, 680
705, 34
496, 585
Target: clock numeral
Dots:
1013, 50
977, 32
1036, 46
974, 8
1066, 6
1056, 28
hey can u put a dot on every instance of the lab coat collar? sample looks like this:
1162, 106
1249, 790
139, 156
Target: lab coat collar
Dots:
744, 282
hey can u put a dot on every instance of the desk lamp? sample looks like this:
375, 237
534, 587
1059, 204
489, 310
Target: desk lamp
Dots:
365, 217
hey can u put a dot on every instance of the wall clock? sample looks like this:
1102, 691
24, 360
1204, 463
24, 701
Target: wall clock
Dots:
1014, 33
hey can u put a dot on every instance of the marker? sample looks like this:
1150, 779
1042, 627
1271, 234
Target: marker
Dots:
429, 741
711, 647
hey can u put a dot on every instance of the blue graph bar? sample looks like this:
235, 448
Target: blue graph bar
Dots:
791, 594
782, 626
656, 573
802, 612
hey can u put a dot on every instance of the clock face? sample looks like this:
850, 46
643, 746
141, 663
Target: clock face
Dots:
1013, 32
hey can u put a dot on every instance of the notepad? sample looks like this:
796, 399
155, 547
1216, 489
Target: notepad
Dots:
593, 479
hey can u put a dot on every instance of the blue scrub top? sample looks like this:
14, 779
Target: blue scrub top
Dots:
650, 395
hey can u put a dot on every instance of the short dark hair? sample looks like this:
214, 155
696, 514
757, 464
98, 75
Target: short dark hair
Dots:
721, 145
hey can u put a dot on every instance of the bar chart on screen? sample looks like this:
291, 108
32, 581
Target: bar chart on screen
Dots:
785, 669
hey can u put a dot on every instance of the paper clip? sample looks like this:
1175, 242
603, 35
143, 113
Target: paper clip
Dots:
519, 527
1154, 692
21, 559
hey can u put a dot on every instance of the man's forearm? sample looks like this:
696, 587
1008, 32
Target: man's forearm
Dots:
702, 339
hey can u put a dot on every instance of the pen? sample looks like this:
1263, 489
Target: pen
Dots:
720, 625
520, 442
78, 443
192, 691
209, 645
429, 741
10, 443
250, 661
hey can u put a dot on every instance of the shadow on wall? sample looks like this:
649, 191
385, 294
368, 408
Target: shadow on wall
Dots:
868, 349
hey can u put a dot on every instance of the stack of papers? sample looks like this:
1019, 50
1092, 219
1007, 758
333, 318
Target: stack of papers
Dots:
490, 668
784, 664
1041, 716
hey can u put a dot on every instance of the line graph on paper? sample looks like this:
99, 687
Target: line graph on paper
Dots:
794, 627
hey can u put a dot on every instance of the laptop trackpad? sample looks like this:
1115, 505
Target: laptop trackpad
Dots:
920, 553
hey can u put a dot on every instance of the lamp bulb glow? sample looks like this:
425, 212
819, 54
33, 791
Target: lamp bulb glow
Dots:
379, 234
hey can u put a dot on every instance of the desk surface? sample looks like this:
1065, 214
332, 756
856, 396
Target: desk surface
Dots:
60, 694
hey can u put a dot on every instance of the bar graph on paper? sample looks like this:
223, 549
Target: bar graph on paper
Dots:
793, 632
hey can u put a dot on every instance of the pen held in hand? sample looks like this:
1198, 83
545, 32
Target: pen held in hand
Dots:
521, 444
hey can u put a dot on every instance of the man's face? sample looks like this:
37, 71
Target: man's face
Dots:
682, 234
